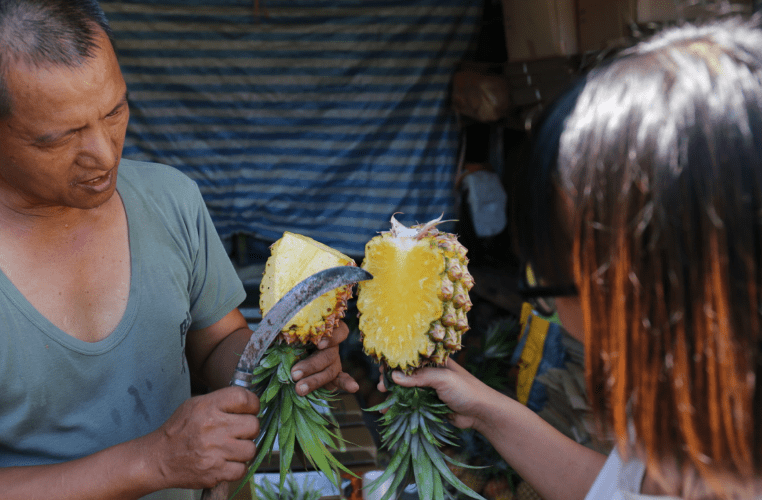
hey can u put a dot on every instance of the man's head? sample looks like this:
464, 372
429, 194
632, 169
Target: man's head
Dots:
41, 33
63, 106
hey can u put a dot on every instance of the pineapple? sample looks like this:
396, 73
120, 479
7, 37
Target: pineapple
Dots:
412, 314
524, 491
290, 417
498, 488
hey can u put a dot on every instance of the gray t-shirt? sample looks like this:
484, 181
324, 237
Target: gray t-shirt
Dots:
63, 398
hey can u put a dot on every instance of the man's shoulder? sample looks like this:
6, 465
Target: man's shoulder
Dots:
148, 175
158, 189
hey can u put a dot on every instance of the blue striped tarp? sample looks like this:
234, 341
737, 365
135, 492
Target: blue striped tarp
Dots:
322, 117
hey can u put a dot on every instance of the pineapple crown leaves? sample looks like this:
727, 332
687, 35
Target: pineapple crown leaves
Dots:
292, 491
414, 428
418, 232
291, 418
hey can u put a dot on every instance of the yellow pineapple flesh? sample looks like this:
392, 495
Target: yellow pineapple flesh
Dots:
293, 258
413, 311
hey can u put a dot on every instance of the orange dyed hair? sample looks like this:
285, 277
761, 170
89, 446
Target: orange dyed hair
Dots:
661, 162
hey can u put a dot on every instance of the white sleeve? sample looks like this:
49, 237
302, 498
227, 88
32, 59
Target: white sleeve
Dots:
616, 478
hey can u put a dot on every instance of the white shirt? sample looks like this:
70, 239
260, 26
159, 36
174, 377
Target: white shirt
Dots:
621, 481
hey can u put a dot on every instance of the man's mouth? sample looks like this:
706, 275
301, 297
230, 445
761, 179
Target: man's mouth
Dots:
100, 183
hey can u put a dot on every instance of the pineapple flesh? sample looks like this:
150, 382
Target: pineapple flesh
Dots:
412, 314
284, 414
293, 258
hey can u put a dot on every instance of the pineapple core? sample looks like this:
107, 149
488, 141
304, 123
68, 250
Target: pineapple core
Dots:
293, 258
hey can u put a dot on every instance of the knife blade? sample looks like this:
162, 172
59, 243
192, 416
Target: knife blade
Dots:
285, 309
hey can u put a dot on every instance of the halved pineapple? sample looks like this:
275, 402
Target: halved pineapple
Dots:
413, 311
293, 258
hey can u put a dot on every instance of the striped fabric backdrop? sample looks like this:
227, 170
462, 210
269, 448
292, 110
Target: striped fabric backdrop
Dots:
321, 117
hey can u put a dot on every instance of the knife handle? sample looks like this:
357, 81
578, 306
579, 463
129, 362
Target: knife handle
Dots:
219, 492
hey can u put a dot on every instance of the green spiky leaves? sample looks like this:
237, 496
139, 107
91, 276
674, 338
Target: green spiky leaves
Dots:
414, 428
293, 419
292, 491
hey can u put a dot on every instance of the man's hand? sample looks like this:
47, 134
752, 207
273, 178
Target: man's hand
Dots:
207, 440
323, 367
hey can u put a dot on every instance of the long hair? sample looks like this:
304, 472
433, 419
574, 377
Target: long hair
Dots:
661, 160
43, 33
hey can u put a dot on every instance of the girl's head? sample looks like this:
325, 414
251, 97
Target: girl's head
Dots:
650, 198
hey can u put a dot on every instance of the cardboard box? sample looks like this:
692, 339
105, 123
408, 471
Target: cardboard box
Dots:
601, 23
668, 11
536, 29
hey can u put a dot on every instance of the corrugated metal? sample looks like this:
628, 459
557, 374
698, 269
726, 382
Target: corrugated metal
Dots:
321, 117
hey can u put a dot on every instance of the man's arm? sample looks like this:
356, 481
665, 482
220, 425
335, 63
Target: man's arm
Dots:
213, 354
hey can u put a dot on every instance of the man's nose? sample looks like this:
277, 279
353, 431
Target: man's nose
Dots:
100, 147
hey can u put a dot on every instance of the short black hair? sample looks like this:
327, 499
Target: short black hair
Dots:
539, 241
43, 33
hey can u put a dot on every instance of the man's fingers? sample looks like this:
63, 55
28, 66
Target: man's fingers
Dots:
326, 360
308, 384
343, 382
237, 400
338, 335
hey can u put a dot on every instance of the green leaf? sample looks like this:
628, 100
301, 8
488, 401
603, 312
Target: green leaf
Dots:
414, 420
286, 438
438, 493
271, 358
395, 488
272, 390
315, 450
428, 435
436, 459
287, 406
284, 375
422, 470
300, 401
395, 427
263, 449
386, 404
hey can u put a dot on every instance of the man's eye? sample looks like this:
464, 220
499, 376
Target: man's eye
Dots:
116, 112
54, 143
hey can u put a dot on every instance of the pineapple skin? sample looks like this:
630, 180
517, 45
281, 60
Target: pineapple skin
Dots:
293, 258
413, 313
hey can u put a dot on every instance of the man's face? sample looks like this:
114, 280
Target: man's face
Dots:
63, 141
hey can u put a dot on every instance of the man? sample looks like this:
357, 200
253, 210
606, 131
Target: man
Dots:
114, 289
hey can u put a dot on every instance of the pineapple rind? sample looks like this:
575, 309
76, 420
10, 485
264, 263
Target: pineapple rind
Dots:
293, 258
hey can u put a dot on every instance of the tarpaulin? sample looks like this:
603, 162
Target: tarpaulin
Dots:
317, 117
